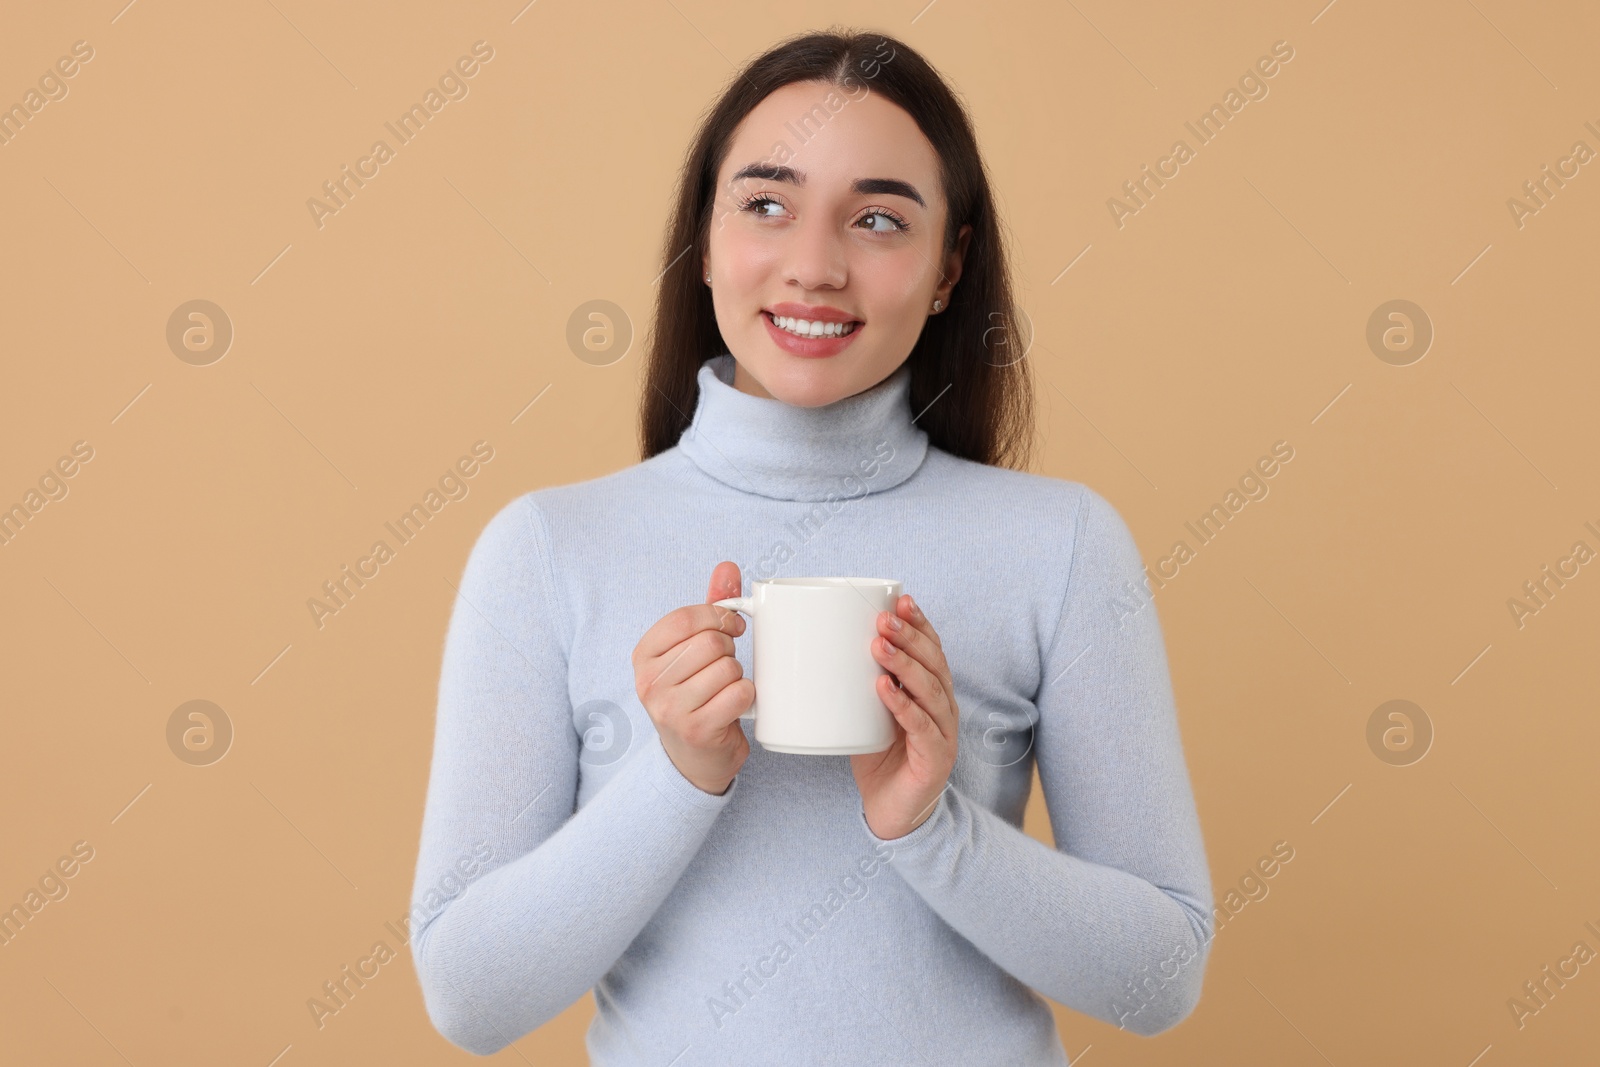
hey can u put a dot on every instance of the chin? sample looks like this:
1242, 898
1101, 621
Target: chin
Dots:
806, 383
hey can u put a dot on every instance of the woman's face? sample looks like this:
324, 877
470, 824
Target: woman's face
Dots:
842, 227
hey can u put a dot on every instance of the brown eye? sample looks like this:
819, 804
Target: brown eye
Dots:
756, 204
900, 224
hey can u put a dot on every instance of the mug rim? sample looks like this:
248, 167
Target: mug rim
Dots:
824, 582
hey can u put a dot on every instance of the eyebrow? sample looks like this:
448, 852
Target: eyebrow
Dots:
864, 186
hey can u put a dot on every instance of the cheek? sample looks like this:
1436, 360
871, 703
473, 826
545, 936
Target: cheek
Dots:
892, 290
898, 274
745, 266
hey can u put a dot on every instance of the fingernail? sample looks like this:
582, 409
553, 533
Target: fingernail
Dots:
894, 622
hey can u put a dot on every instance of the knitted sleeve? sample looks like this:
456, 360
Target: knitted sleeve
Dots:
1115, 921
520, 905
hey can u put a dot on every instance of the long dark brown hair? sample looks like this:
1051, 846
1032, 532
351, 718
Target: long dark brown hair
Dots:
968, 362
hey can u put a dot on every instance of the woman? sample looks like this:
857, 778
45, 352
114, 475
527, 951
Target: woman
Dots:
833, 392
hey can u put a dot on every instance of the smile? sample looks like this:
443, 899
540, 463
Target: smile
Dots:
803, 328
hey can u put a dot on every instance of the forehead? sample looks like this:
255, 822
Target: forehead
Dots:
834, 138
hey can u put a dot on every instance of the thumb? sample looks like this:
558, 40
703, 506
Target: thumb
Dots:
725, 582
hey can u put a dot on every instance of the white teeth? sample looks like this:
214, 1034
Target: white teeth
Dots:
803, 328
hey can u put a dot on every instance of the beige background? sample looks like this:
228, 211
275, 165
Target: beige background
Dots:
1227, 314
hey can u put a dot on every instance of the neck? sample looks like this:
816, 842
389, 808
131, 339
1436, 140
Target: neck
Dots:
861, 444
746, 383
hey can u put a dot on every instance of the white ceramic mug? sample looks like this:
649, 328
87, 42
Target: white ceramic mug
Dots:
812, 663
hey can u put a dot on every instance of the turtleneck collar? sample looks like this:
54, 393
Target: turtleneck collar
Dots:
787, 452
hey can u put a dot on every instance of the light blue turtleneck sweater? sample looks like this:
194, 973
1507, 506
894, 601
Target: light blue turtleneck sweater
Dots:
562, 850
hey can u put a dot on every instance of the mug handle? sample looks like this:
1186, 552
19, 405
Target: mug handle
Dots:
747, 605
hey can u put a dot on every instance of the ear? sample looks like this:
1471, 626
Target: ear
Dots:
953, 262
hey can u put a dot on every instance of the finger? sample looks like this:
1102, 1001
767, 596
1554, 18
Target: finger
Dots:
911, 716
917, 644
918, 636
908, 610
680, 624
723, 708
725, 582
684, 701
686, 659
929, 692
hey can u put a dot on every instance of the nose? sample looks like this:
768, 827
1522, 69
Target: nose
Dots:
815, 257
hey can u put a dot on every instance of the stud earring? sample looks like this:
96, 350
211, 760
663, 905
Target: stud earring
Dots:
708, 277
937, 304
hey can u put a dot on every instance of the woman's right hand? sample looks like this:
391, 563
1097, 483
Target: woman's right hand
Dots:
687, 678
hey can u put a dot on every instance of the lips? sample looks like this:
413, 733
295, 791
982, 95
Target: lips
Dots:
801, 327
793, 309
808, 345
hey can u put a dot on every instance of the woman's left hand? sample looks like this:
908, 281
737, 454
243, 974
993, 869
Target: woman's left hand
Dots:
900, 785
